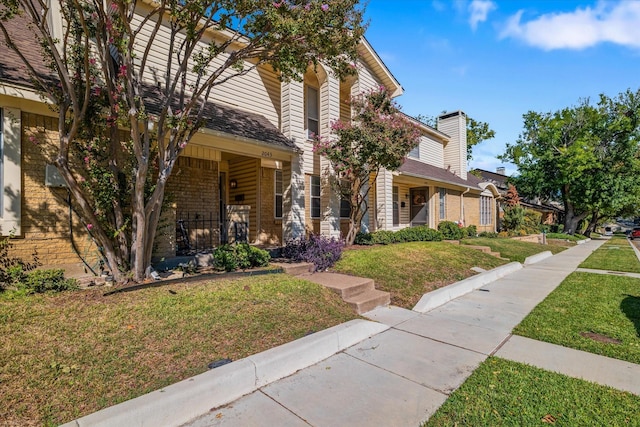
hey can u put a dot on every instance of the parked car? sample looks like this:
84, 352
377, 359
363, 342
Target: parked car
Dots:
608, 231
635, 233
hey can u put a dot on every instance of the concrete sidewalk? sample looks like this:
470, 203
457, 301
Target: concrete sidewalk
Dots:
400, 375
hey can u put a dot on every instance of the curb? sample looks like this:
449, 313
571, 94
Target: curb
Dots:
537, 257
443, 295
188, 399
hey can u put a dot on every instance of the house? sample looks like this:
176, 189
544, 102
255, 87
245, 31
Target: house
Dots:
550, 213
250, 173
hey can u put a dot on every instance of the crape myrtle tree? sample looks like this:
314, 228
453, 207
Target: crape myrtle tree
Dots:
585, 156
377, 136
102, 84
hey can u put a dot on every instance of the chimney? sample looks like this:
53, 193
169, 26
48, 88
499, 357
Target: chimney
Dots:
455, 152
501, 170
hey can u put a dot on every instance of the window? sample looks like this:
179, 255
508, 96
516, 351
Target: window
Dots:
278, 193
396, 206
443, 203
315, 196
415, 153
485, 210
313, 115
345, 203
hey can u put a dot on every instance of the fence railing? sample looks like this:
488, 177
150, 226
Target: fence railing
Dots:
196, 232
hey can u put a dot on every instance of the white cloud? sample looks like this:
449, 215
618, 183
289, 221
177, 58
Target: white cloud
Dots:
439, 5
617, 23
479, 10
460, 70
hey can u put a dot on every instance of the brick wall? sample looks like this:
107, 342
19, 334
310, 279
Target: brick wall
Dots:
192, 190
45, 211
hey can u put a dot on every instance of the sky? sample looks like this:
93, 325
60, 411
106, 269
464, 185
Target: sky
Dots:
497, 60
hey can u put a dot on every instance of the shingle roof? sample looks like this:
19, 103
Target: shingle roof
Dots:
424, 170
218, 117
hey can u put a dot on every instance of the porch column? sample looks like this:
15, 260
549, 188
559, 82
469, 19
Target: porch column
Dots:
384, 200
330, 199
292, 107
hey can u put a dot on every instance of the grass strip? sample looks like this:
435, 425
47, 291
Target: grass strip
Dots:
505, 393
586, 304
615, 255
514, 250
409, 270
67, 355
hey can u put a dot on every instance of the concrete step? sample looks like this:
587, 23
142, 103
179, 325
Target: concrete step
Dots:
497, 255
485, 249
295, 268
368, 300
344, 285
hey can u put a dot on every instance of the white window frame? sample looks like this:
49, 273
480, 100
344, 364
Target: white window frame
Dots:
10, 172
415, 152
314, 187
311, 115
395, 208
442, 194
278, 195
486, 210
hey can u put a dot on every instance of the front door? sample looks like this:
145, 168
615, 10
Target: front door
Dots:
419, 206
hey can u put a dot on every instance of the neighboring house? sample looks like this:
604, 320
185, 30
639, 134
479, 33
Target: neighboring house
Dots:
249, 173
550, 213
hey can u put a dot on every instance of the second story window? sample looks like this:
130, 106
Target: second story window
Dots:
313, 112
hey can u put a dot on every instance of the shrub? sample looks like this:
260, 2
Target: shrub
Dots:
363, 238
53, 280
244, 256
450, 230
258, 257
323, 252
470, 231
532, 221
13, 269
419, 234
513, 219
489, 234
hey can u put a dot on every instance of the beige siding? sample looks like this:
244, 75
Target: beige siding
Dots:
245, 172
455, 152
258, 91
431, 151
270, 228
366, 78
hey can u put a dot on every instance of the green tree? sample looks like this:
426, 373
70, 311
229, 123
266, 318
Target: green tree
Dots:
585, 156
477, 132
378, 136
105, 75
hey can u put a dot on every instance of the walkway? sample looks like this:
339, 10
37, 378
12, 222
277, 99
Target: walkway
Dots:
398, 376
401, 376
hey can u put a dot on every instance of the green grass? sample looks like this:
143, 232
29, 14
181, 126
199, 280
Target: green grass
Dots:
603, 304
514, 250
570, 237
615, 255
409, 270
67, 355
505, 393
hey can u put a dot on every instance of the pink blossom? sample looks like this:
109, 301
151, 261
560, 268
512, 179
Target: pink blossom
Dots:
280, 3
86, 160
33, 139
89, 226
324, 7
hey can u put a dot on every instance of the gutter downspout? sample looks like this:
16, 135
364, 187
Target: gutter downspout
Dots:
462, 219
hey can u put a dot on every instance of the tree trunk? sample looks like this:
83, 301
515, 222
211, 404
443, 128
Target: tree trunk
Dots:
571, 219
593, 222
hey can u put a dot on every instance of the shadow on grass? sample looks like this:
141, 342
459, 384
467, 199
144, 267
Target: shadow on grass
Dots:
631, 308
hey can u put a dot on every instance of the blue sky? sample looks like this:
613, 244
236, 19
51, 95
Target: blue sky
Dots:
496, 60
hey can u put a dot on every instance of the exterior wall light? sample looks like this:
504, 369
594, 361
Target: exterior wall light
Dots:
233, 183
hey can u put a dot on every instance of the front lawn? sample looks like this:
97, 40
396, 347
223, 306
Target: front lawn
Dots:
505, 393
409, 270
514, 250
67, 355
615, 255
591, 312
